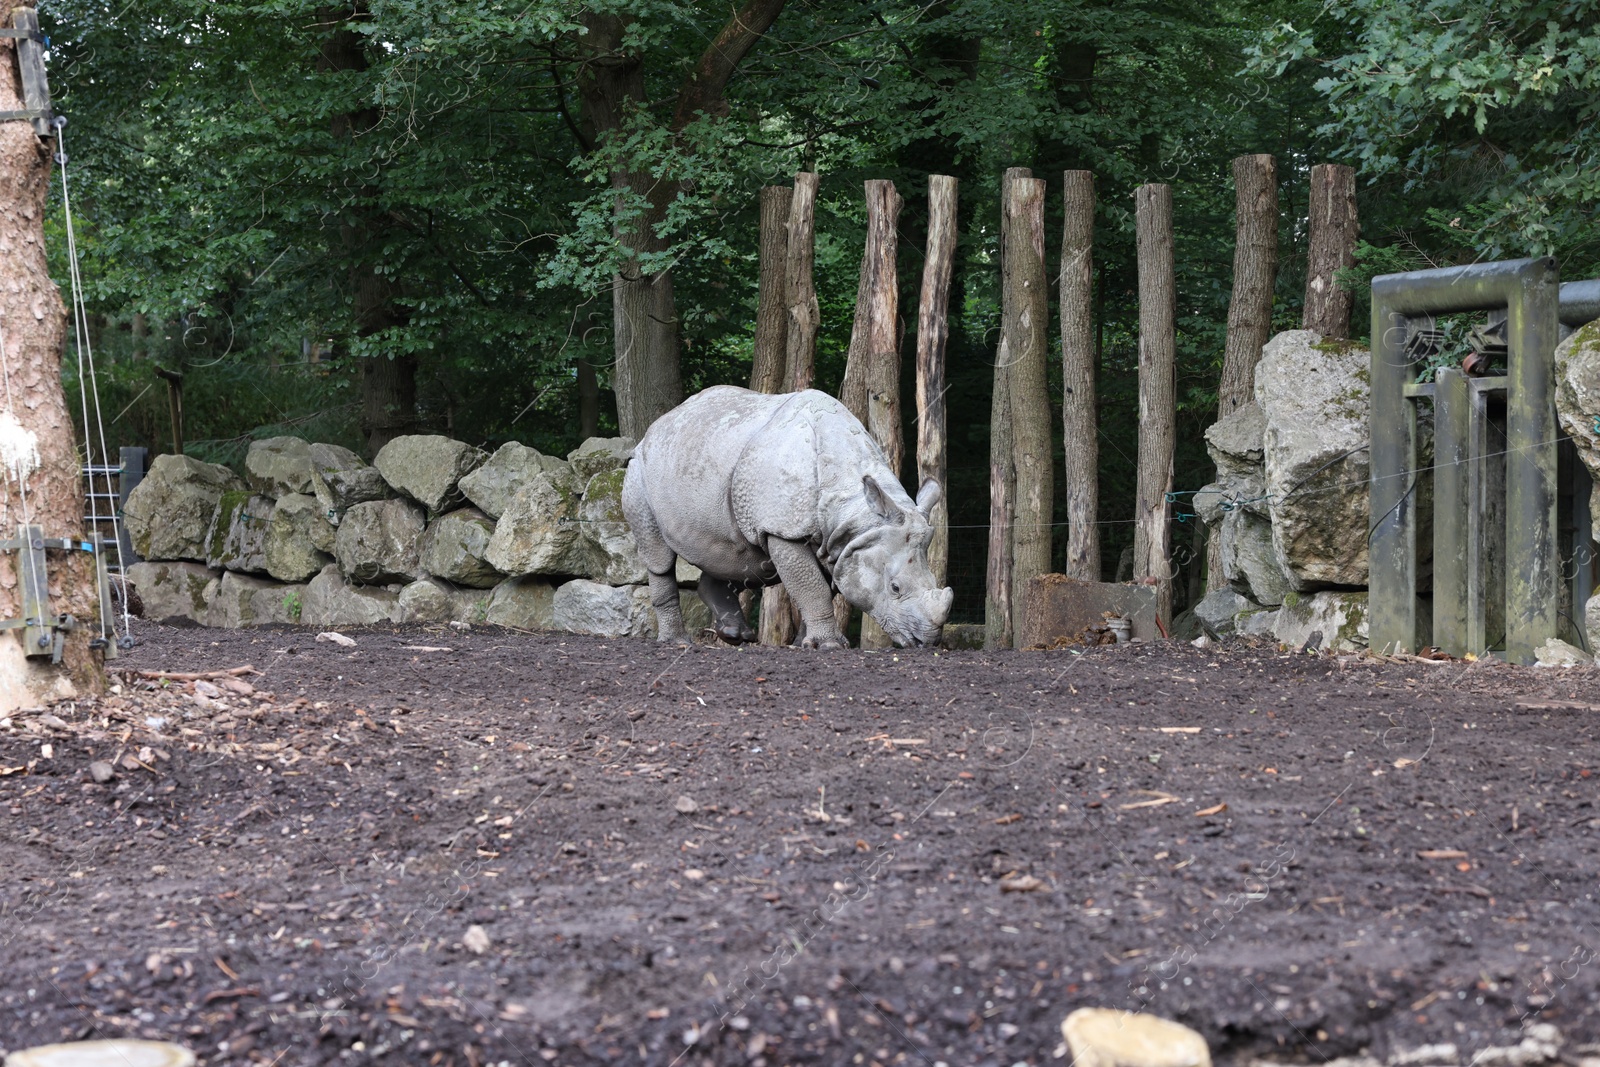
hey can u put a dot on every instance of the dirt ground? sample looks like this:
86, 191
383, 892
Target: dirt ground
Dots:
470, 848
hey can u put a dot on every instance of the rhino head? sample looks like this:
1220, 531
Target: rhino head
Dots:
884, 572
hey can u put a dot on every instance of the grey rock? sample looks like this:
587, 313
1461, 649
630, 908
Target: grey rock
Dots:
1557, 653
330, 601
1591, 618
278, 466
537, 534
428, 468
1236, 446
1315, 398
341, 479
1220, 608
453, 549
1249, 558
524, 603
242, 600
492, 486
326, 457
600, 454
613, 554
1256, 624
1340, 618
299, 526
169, 513
237, 540
171, 590
433, 600
380, 542
1578, 399
585, 607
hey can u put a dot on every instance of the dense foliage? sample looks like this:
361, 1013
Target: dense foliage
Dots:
278, 197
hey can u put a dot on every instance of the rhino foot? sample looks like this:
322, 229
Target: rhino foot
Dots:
824, 642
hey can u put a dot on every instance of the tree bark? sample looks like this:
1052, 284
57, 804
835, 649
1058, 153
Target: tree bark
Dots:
1152, 555
1025, 322
1334, 228
998, 631
800, 291
768, 369
40, 480
1255, 272
1080, 418
388, 384
588, 400
933, 334
871, 386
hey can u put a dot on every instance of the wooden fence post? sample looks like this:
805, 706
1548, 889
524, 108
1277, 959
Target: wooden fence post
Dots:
1255, 272
800, 291
1080, 418
998, 629
768, 368
871, 386
1334, 228
933, 331
1026, 320
1152, 556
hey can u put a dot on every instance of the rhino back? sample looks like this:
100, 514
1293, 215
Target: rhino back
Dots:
687, 461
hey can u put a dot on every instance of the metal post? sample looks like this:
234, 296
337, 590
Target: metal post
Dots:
133, 467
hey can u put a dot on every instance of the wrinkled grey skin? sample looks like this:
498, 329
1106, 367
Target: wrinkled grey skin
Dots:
755, 489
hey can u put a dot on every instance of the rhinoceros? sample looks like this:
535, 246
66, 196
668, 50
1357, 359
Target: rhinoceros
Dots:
757, 488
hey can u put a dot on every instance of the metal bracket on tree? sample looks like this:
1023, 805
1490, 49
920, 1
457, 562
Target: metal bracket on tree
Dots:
31, 45
45, 632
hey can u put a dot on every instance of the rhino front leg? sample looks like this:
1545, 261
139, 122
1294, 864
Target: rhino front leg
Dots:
802, 577
723, 600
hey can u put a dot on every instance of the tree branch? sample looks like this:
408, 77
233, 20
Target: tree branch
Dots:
703, 90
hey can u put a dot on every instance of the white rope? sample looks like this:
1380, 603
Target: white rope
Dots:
87, 389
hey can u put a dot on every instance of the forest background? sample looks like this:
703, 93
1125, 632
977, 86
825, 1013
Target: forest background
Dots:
351, 221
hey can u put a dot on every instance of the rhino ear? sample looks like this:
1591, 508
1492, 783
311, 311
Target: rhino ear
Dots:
928, 497
880, 502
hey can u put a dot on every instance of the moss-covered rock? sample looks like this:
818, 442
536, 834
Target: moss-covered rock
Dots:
169, 514
237, 540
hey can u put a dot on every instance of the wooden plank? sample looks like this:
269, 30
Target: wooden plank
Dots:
30, 61
34, 585
1452, 432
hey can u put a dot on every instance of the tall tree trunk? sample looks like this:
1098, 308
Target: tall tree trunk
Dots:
40, 481
1026, 322
871, 386
768, 368
1334, 229
1152, 554
1080, 417
646, 374
1255, 272
588, 400
933, 332
388, 384
800, 291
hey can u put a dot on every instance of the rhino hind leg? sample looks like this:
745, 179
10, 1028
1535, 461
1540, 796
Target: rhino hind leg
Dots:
669, 611
723, 600
810, 591
659, 560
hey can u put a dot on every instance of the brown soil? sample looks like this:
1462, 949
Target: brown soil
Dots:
731, 856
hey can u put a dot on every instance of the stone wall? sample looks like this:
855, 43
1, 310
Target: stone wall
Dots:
433, 531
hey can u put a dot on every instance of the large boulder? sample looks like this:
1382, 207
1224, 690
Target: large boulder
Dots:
299, 526
613, 554
1235, 509
242, 600
1578, 399
169, 513
432, 600
453, 549
237, 540
1326, 620
537, 533
525, 603
585, 607
278, 466
1220, 609
174, 590
600, 454
380, 541
491, 486
428, 468
1315, 397
1250, 558
330, 601
341, 479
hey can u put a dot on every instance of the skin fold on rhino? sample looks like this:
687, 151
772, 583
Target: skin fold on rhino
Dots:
757, 488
